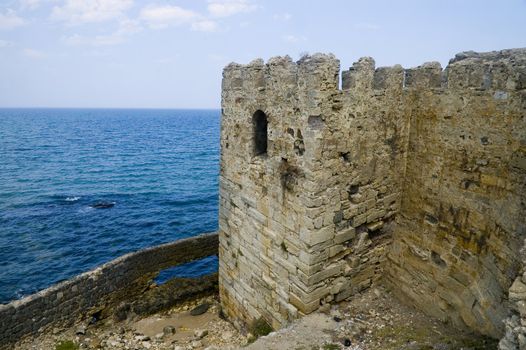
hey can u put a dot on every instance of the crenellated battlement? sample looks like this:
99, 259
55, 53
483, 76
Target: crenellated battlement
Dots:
498, 70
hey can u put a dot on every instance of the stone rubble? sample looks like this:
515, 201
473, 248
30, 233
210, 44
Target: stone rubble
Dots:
371, 320
208, 330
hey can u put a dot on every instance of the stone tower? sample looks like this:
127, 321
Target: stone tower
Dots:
299, 180
417, 176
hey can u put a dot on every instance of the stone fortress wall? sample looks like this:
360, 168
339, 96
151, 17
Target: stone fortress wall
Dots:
414, 176
120, 288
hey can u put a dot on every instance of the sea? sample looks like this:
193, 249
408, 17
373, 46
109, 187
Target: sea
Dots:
80, 187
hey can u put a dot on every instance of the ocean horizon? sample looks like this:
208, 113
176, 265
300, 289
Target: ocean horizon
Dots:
82, 186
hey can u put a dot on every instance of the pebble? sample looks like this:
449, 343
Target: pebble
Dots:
325, 308
199, 310
95, 343
81, 330
142, 337
196, 344
227, 336
200, 333
169, 330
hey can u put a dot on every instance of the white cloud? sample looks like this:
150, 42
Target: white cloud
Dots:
282, 16
294, 38
126, 28
5, 43
10, 20
163, 16
204, 26
89, 11
158, 17
225, 8
35, 54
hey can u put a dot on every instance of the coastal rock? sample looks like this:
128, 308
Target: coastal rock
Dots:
103, 205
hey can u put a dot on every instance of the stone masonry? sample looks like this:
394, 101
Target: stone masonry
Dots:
415, 176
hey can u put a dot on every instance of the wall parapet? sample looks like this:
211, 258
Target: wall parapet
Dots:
497, 70
112, 289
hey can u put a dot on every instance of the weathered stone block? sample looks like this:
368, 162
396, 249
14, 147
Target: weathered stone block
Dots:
314, 237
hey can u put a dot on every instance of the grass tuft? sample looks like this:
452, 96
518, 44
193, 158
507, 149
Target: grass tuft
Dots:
259, 328
331, 346
66, 345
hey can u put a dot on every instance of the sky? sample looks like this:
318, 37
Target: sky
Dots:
170, 53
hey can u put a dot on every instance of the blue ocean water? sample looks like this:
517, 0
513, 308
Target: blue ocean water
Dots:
158, 167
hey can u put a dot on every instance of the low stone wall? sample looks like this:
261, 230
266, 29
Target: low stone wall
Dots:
115, 289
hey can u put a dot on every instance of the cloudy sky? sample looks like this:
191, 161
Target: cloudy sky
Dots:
170, 53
